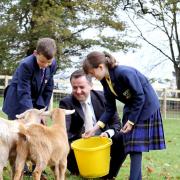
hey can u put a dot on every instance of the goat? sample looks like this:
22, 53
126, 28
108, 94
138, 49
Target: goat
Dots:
9, 136
44, 146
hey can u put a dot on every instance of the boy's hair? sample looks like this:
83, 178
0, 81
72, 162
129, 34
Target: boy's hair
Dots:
46, 47
79, 73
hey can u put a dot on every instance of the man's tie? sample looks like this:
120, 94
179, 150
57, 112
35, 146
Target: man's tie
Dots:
88, 121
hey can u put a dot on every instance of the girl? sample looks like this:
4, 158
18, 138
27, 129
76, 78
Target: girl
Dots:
142, 123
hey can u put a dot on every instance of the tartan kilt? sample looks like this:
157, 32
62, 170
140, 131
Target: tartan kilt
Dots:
146, 135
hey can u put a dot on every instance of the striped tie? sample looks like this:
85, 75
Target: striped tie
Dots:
108, 80
88, 121
42, 74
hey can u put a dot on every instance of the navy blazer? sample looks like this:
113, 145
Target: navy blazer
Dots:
134, 90
75, 122
26, 89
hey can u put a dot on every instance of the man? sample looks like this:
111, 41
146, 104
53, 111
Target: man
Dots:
77, 123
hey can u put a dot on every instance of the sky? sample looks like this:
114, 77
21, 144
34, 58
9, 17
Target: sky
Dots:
146, 57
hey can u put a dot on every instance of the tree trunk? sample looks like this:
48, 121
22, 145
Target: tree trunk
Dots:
177, 73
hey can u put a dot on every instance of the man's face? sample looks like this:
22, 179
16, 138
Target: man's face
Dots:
80, 88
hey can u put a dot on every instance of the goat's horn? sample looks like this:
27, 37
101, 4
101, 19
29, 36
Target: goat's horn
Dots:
42, 110
46, 113
68, 112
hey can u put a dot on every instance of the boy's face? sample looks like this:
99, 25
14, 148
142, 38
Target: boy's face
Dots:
42, 61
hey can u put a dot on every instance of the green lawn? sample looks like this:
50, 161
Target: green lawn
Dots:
157, 165
160, 165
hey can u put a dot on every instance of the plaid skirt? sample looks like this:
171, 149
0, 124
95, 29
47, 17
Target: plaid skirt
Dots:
146, 135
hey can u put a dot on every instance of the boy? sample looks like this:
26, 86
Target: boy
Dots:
32, 83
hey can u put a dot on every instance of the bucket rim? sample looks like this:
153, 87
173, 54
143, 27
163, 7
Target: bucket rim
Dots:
93, 148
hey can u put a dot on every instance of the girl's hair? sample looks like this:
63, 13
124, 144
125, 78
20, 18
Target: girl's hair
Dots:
95, 58
46, 47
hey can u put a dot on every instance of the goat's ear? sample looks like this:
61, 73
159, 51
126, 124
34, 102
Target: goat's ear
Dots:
19, 116
22, 115
68, 112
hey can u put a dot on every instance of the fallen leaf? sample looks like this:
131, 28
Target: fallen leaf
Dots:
150, 169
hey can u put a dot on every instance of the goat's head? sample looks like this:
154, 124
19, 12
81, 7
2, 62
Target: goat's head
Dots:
31, 116
58, 113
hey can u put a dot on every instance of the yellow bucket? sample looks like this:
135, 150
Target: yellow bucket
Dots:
92, 156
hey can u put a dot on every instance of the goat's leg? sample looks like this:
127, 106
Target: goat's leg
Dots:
56, 172
1, 173
1, 170
62, 169
37, 175
38, 171
12, 164
19, 163
4, 149
1, 177
19, 170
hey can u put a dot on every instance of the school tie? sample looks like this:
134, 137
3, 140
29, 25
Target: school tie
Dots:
42, 74
108, 80
88, 120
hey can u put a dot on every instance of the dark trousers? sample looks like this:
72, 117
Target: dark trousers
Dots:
118, 155
72, 164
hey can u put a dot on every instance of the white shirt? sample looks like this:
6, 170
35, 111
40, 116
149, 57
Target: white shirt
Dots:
88, 101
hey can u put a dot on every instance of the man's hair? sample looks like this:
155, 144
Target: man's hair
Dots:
79, 73
46, 47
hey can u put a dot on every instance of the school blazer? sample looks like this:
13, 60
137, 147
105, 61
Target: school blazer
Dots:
134, 90
26, 90
75, 122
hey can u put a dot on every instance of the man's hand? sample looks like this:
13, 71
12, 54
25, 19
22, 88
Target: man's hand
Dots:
91, 132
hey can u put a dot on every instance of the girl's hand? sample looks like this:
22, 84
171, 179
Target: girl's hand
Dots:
104, 134
126, 128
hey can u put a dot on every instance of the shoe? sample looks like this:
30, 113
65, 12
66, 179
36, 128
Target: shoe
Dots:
75, 173
108, 178
43, 176
27, 173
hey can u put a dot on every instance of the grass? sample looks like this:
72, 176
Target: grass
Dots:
157, 165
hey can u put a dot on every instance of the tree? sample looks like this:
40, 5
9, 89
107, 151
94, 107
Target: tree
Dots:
164, 16
22, 22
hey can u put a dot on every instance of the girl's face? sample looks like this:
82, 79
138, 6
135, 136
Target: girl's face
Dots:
100, 72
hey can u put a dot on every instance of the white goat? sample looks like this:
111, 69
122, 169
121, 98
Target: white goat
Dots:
45, 146
9, 136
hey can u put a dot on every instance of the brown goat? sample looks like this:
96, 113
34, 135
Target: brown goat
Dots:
9, 136
44, 146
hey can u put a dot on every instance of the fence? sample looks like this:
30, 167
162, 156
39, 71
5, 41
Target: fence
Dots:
170, 103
